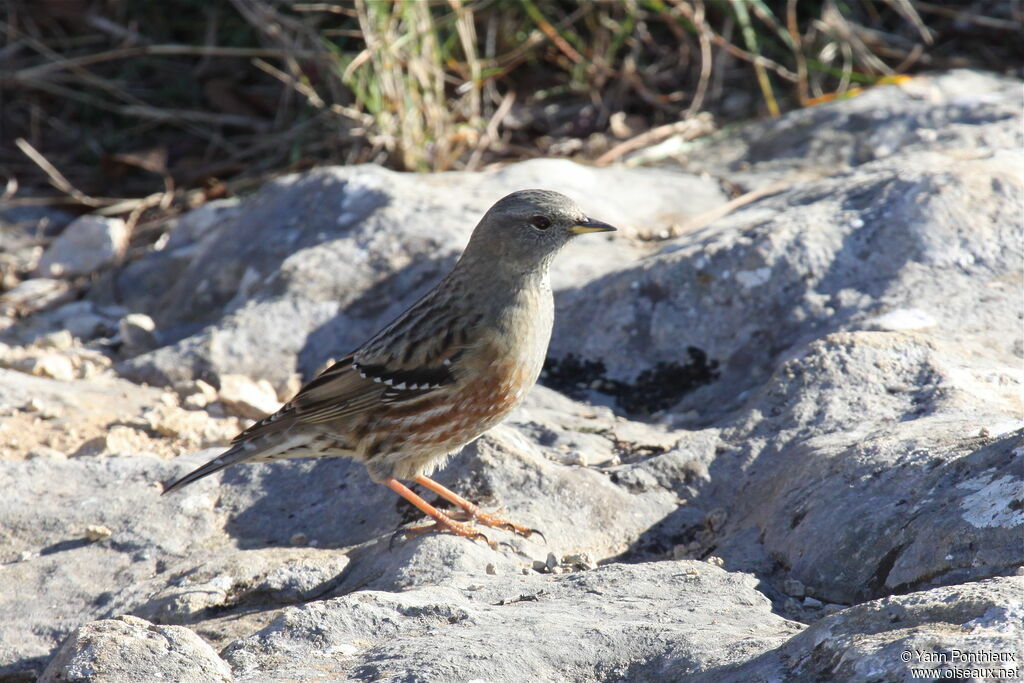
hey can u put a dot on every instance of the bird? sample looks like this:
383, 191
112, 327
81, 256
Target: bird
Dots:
446, 370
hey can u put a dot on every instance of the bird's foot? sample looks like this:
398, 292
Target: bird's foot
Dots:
496, 522
444, 524
474, 511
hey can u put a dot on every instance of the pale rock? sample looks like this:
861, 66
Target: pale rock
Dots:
61, 340
246, 398
33, 295
44, 452
197, 394
88, 244
128, 649
97, 532
54, 365
902, 638
86, 326
193, 426
903, 319
138, 332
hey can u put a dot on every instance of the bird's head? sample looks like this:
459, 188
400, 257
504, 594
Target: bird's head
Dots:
527, 228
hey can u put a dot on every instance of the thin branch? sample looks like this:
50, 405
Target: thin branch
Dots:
57, 178
688, 128
64, 63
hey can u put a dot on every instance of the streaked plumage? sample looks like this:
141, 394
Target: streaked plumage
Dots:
445, 371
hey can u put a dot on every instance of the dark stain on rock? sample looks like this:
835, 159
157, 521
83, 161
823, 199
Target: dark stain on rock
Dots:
654, 389
653, 291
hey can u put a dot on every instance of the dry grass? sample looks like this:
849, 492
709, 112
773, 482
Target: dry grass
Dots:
147, 106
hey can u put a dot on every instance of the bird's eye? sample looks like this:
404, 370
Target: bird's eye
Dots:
540, 222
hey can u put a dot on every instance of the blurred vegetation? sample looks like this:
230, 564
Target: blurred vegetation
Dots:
150, 106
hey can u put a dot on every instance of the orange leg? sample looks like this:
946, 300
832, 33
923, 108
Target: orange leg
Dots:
474, 511
441, 520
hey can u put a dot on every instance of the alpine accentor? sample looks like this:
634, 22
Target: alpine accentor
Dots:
445, 371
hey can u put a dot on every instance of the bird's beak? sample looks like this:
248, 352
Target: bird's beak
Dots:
590, 225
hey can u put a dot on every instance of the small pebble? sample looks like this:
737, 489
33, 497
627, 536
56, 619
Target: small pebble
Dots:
576, 458
812, 603
97, 532
716, 519
194, 402
88, 369
490, 569
52, 365
578, 560
206, 389
526, 571
716, 560
59, 340
551, 561
247, 398
24, 556
299, 539
46, 453
138, 332
794, 588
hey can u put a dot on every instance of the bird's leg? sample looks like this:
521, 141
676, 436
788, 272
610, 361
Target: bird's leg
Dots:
441, 520
474, 510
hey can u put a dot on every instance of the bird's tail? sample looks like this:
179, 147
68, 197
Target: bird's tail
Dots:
236, 453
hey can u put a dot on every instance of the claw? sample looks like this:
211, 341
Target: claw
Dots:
454, 528
525, 532
493, 545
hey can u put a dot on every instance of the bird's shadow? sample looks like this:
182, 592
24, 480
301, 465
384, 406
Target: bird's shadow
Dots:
331, 503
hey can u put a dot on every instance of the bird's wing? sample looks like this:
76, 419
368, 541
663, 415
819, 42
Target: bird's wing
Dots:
369, 377
378, 374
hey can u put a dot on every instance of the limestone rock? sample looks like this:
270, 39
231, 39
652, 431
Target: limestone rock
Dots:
518, 628
53, 365
244, 577
138, 332
86, 245
971, 631
36, 294
246, 398
128, 649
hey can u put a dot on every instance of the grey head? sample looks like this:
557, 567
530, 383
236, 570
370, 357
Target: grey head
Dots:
525, 229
